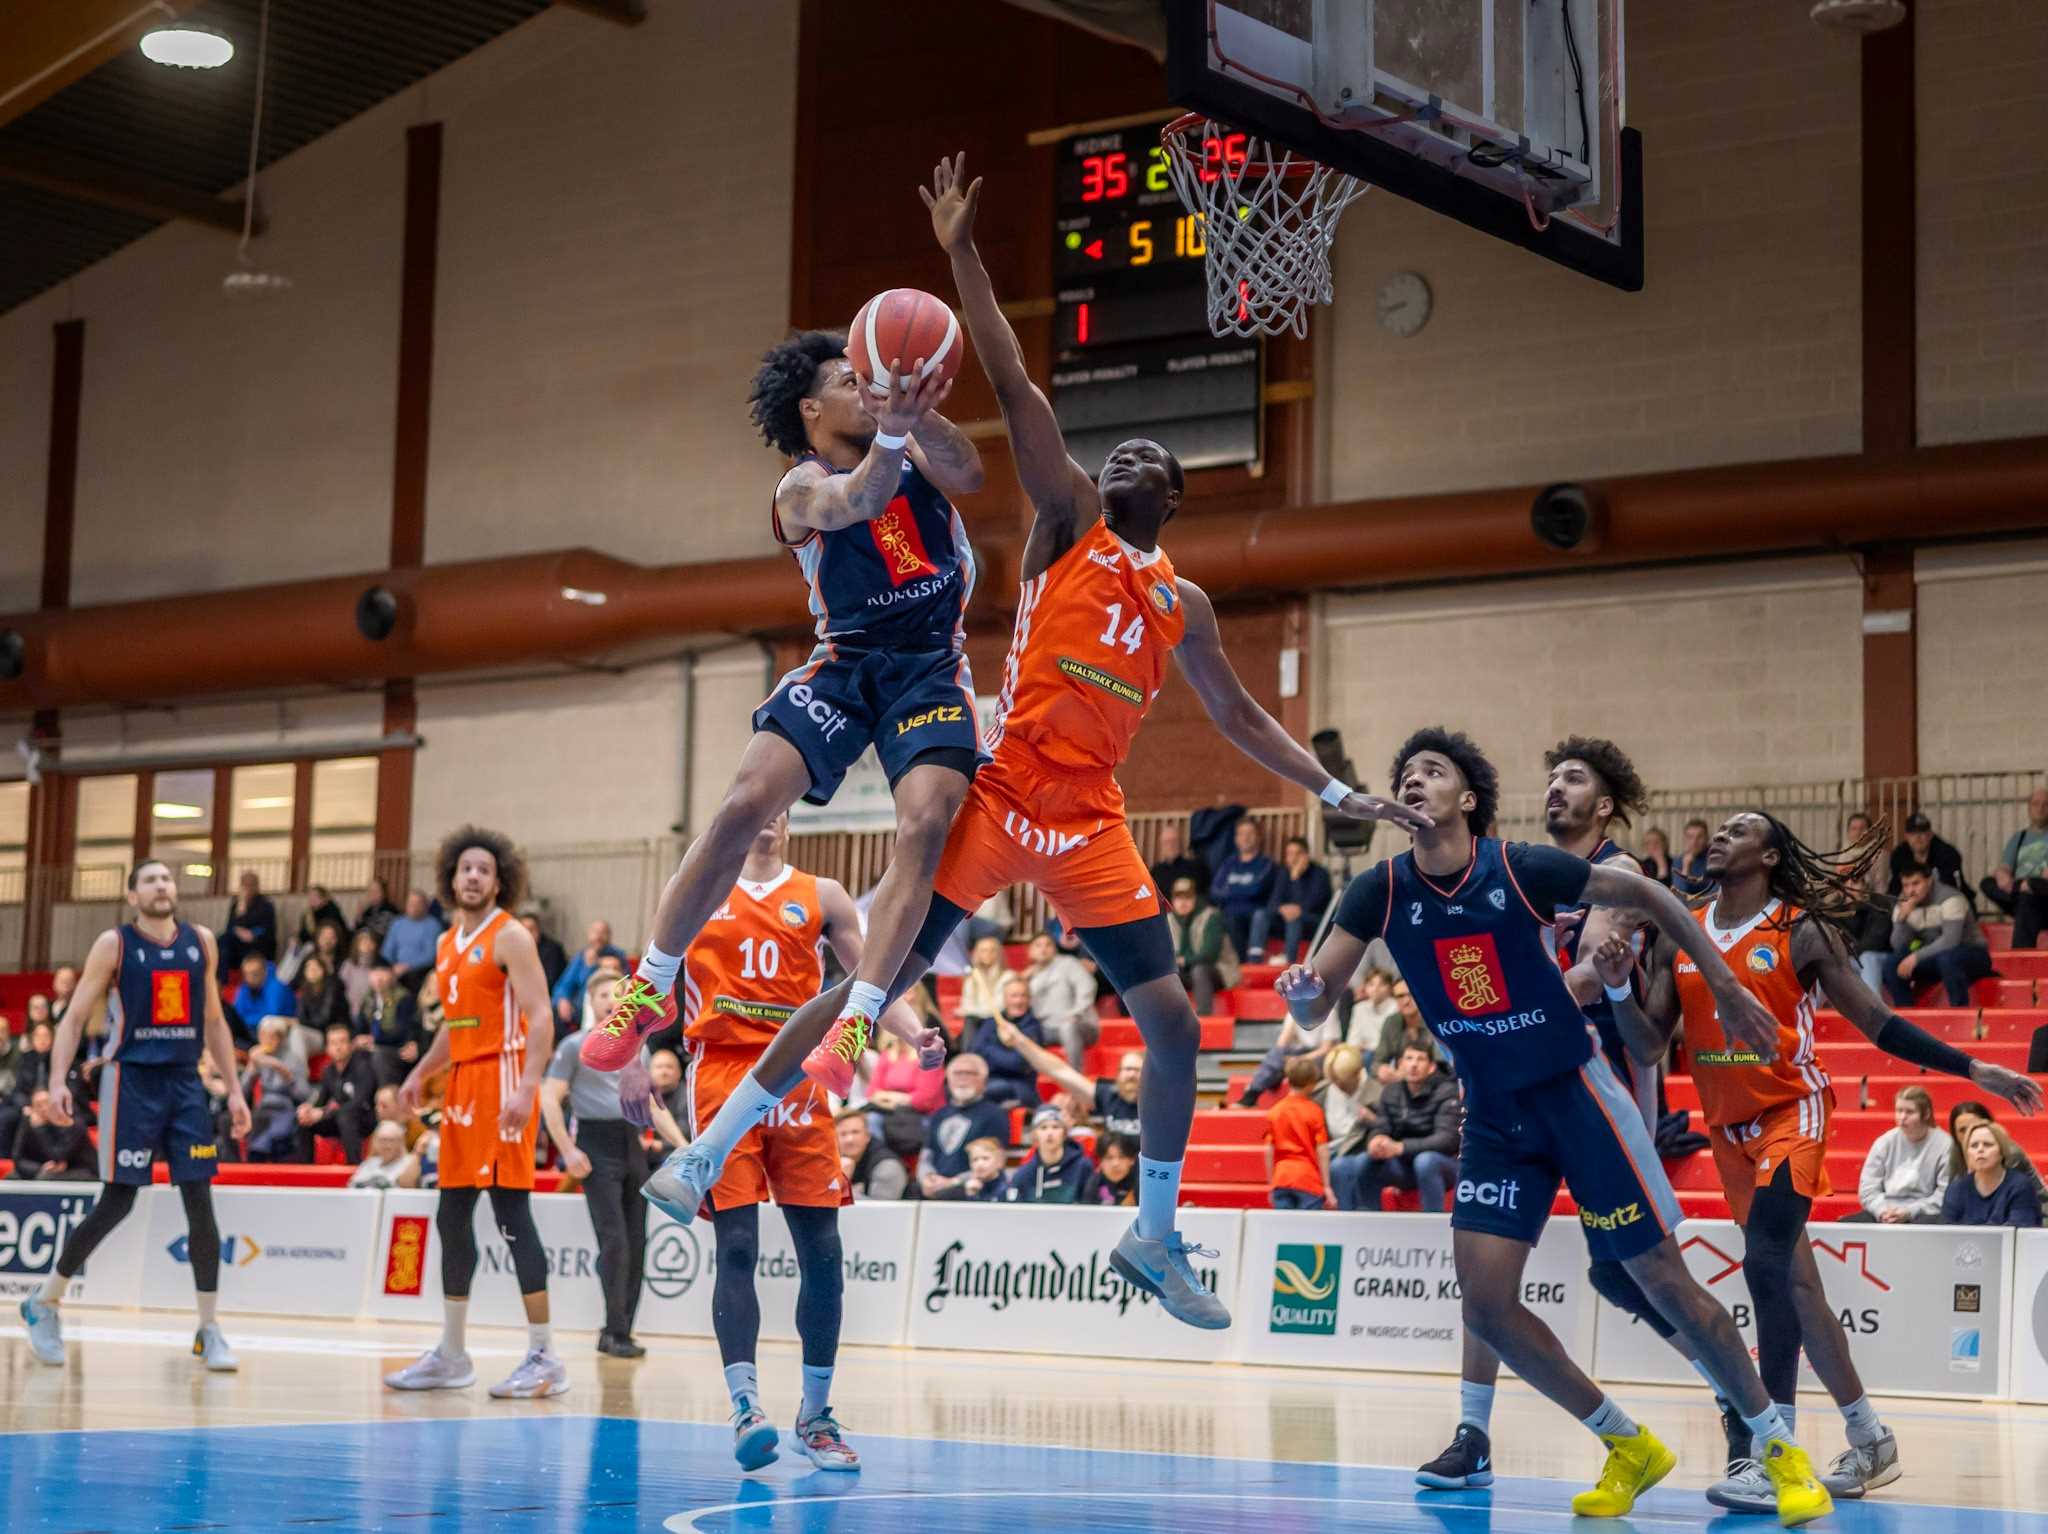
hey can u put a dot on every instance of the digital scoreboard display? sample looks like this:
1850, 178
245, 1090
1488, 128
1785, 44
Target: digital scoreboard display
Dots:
1133, 355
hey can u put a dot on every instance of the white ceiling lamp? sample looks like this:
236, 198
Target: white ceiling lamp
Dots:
183, 47
166, 809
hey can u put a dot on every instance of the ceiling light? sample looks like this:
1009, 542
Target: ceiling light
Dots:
199, 870
187, 47
165, 810
269, 802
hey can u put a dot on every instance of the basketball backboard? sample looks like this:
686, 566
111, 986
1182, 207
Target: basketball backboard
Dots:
1507, 115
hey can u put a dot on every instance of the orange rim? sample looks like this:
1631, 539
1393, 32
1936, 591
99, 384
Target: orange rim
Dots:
1176, 131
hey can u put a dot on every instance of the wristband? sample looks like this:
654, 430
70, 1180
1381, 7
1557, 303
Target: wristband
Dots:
1335, 792
1618, 992
883, 439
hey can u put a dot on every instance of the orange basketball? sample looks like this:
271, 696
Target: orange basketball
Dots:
902, 325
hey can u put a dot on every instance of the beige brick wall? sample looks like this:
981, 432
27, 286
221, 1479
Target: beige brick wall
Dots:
1743, 346
1982, 95
1749, 674
1983, 658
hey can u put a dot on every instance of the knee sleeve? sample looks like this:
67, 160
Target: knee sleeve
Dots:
455, 1223
821, 1293
1611, 1281
512, 1208
115, 1200
1777, 1223
202, 1235
735, 1306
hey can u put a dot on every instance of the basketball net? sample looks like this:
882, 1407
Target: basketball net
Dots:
1268, 219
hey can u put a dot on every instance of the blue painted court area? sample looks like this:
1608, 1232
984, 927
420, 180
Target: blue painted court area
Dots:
595, 1474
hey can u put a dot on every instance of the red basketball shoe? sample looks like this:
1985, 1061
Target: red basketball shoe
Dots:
638, 1010
831, 1064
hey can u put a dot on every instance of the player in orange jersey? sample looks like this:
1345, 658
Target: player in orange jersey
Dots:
1777, 917
1100, 613
754, 963
495, 1038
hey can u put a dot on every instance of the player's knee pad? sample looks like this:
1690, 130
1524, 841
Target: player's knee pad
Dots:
202, 1235
820, 1255
1612, 1282
455, 1223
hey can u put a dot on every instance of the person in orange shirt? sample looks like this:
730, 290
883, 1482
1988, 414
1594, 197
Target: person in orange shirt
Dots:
1779, 916
1298, 1142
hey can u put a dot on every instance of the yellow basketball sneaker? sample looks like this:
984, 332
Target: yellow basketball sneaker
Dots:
1633, 1466
1801, 1497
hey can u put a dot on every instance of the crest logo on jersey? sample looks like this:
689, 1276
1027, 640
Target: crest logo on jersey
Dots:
1471, 971
794, 914
1165, 598
1497, 898
900, 544
170, 996
1763, 960
476, 954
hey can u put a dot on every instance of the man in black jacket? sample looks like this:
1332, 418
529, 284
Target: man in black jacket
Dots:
1922, 847
345, 1107
1411, 1139
46, 1153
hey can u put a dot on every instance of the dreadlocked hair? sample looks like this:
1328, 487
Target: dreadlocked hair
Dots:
1479, 774
511, 866
1611, 765
1817, 883
787, 375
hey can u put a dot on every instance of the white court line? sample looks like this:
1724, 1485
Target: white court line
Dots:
265, 1342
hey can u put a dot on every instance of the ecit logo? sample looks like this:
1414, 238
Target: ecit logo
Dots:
1490, 1195
134, 1158
829, 720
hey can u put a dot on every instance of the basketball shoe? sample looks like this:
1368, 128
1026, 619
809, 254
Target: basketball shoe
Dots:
210, 1345
677, 1187
539, 1374
753, 1437
831, 1064
45, 1331
1468, 1462
1161, 1269
434, 1370
1864, 1467
824, 1443
1633, 1466
1801, 1497
638, 1010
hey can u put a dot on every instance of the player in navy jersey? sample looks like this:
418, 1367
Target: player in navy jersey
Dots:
866, 515
163, 1011
1465, 916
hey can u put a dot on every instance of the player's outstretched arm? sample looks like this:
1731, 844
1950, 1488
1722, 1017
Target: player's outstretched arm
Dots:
87, 997
220, 1043
1744, 1017
813, 498
1045, 1062
1819, 957
1254, 731
1646, 1028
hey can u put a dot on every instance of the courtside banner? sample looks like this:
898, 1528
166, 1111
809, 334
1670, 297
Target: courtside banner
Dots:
1029, 1277
35, 1219
405, 1272
878, 1243
1927, 1307
2030, 1315
1377, 1291
283, 1251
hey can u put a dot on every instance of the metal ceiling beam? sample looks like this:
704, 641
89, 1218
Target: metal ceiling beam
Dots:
627, 13
47, 44
114, 187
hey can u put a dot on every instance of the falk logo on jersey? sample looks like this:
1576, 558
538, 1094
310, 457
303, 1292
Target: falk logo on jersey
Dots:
900, 544
1472, 974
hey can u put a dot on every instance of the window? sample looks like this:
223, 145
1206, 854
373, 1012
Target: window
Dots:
181, 826
344, 822
106, 836
13, 841
260, 822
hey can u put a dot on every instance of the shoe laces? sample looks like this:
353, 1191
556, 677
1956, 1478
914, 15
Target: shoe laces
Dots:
638, 995
1747, 1470
822, 1429
1854, 1460
850, 1040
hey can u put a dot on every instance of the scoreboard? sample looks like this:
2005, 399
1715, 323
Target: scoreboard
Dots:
1132, 352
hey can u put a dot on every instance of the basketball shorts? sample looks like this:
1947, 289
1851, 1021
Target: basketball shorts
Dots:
475, 1153
792, 1155
1748, 1155
1581, 1129
147, 1111
904, 702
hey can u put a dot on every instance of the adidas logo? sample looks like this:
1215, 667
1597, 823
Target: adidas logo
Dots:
1144, 892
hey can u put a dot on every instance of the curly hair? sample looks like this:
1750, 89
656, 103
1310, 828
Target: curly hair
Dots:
1479, 774
1610, 765
511, 866
787, 376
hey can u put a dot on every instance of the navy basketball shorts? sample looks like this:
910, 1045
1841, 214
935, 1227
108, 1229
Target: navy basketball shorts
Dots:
903, 702
148, 1111
1582, 1129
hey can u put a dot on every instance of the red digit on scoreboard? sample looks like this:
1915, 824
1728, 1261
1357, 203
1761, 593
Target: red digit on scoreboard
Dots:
1116, 174
1105, 176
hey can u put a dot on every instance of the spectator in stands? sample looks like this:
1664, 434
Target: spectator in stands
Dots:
968, 1115
1400, 1032
1056, 1170
387, 1163
993, 918
1062, 991
1964, 1117
378, 912
1923, 849
1934, 937
1995, 1191
666, 1067
1870, 931
260, 995
387, 1107
1115, 1178
11, 1099
274, 1082
344, 1108
63, 981
1689, 870
321, 911
2018, 886
1112, 1101
1201, 945
1011, 1078
901, 1092
1292, 1041
32, 1072
1372, 1007
1655, 855
981, 987
554, 959
1175, 863
1243, 891
1413, 1142
321, 998
568, 993
216, 1088
43, 1152
408, 945
1301, 893
1348, 1091
355, 969
1905, 1172
1298, 1143
391, 1023
871, 1169
251, 925
981, 1183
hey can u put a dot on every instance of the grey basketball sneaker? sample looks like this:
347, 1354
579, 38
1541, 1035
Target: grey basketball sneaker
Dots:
1864, 1467
434, 1370
679, 1184
539, 1374
208, 1344
45, 1331
1161, 1269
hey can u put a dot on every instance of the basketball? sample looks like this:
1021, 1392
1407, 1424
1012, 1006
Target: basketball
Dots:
902, 325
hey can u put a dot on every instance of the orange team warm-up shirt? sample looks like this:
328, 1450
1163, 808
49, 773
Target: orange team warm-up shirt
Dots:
756, 961
1296, 1127
477, 1007
1088, 654
1735, 1085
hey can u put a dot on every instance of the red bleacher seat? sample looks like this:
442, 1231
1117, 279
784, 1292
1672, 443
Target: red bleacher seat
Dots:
1224, 1195
2024, 964
1260, 1005
1852, 1089
1956, 1024
1998, 934
1120, 1033
1866, 1059
1236, 1088
2006, 993
2009, 1024
1228, 1126
15, 991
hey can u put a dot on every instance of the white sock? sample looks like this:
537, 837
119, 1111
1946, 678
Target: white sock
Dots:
817, 1391
867, 1000
1791, 1415
1610, 1421
749, 1103
658, 969
1475, 1404
743, 1384
1861, 1418
1158, 1196
209, 1307
1769, 1424
540, 1336
455, 1327
52, 1292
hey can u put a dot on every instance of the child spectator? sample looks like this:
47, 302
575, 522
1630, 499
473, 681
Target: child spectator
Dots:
983, 1181
1056, 1170
1115, 1179
1298, 1142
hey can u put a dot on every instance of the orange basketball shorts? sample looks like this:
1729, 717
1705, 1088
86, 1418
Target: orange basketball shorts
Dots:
792, 1155
475, 1153
1020, 825
1796, 1133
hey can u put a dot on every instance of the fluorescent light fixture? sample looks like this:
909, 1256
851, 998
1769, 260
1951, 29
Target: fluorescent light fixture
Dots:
199, 870
185, 47
165, 810
269, 802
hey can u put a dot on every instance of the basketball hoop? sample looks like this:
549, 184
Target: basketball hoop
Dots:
1269, 216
